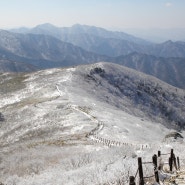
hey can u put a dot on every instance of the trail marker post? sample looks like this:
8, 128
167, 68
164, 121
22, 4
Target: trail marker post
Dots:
171, 160
178, 163
154, 159
141, 179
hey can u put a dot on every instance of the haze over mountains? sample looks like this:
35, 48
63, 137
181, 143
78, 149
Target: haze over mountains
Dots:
159, 35
48, 46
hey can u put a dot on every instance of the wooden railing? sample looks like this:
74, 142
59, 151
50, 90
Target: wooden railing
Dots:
173, 162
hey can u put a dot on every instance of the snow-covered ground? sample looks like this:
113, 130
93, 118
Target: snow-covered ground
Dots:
80, 126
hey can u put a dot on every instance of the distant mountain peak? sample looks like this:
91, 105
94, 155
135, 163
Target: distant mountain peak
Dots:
46, 25
169, 42
85, 26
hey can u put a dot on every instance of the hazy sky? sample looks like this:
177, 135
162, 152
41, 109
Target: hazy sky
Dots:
118, 14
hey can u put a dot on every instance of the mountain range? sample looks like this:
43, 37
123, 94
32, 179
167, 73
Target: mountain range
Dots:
170, 70
48, 46
106, 42
43, 51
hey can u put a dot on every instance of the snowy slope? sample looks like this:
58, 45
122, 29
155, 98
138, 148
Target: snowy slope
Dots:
83, 125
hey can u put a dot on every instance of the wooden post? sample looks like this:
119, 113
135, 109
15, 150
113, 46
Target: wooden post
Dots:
132, 180
170, 163
154, 159
178, 162
159, 160
171, 160
141, 179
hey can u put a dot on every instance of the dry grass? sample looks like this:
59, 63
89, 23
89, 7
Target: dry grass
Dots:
67, 141
16, 82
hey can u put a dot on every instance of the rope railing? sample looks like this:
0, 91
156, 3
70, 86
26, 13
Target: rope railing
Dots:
136, 173
132, 178
147, 162
156, 161
149, 177
166, 154
140, 172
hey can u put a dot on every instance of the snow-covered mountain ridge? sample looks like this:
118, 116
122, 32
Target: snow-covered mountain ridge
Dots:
53, 118
128, 88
